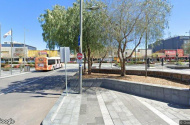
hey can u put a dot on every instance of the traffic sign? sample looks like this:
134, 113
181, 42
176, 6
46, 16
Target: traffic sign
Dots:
79, 40
65, 54
79, 56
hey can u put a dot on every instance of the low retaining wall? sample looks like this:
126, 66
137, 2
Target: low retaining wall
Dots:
168, 75
162, 93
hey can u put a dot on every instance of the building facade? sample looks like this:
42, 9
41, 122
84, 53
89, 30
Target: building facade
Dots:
17, 44
170, 43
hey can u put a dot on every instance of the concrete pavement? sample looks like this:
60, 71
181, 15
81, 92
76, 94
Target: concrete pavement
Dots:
15, 72
99, 106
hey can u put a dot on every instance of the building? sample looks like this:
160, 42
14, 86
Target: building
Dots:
140, 54
170, 43
170, 54
17, 53
17, 44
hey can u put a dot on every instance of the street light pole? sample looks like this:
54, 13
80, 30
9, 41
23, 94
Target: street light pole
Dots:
80, 48
24, 50
135, 52
0, 50
11, 51
189, 41
146, 37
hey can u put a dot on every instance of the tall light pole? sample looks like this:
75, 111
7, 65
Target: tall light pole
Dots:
146, 38
80, 48
0, 50
189, 42
24, 49
11, 51
135, 52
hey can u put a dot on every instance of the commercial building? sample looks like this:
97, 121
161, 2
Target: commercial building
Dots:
17, 44
172, 43
170, 54
17, 52
139, 54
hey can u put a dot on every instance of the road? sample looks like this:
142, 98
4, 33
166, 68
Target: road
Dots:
28, 98
157, 67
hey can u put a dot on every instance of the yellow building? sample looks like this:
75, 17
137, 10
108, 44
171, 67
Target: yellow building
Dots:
43, 53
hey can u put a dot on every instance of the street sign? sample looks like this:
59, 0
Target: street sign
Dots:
65, 54
79, 40
79, 56
65, 57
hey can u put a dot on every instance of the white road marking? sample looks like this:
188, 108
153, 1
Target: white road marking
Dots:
161, 115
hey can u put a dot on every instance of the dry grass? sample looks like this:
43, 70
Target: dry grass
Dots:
135, 78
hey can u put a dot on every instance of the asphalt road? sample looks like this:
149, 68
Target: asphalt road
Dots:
28, 98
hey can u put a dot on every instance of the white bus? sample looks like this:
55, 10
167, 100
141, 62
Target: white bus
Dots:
47, 63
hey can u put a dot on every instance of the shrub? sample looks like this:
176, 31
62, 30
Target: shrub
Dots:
15, 63
3, 65
131, 62
179, 63
31, 65
16, 66
119, 64
6, 67
104, 61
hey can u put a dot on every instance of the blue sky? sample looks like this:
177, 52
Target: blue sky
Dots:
20, 14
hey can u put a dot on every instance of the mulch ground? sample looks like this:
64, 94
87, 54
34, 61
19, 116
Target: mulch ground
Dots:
135, 78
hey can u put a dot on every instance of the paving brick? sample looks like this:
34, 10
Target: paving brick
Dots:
99, 120
117, 121
97, 106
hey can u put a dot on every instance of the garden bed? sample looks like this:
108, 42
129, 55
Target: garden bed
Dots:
136, 78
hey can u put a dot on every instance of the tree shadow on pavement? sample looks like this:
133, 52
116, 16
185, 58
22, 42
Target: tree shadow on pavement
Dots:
46, 85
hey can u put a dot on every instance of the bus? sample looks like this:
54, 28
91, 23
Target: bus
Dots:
47, 63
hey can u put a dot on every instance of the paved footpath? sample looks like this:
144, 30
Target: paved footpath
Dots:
5, 74
99, 106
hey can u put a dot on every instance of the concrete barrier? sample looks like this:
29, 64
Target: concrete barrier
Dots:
158, 92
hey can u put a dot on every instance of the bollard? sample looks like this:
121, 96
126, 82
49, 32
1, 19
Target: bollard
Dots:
148, 62
189, 61
162, 61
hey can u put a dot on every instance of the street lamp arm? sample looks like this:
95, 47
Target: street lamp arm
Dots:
93, 8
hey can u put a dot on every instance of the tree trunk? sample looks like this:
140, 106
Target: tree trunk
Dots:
123, 67
122, 63
84, 62
91, 59
100, 64
89, 64
102, 60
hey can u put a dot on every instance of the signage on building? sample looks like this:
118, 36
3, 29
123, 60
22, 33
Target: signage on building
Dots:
180, 52
170, 52
42, 53
18, 52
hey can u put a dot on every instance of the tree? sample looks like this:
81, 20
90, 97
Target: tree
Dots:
61, 28
129, 17
186, 47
